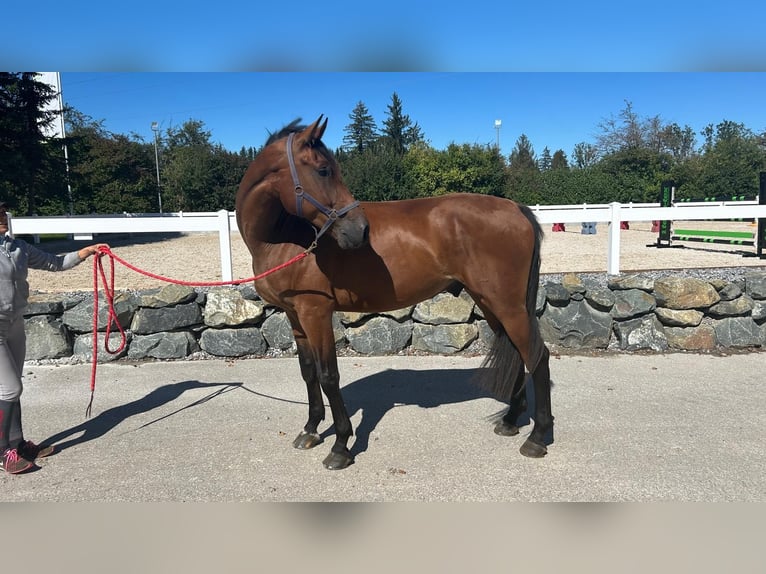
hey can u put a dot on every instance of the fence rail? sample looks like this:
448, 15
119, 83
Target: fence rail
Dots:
225, 224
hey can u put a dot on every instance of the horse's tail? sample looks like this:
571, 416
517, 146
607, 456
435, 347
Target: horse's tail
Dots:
503, 363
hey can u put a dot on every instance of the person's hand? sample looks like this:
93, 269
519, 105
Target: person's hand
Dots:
86, 252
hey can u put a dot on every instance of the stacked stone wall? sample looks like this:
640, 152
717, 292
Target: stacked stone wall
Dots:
629, 313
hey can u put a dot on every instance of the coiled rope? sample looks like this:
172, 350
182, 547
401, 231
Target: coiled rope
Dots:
108, 286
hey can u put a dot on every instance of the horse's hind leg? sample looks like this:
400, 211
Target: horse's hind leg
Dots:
509, 424
534, 446
524, 333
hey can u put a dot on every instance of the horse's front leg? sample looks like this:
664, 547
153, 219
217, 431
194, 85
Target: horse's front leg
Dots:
309, 436
319, 365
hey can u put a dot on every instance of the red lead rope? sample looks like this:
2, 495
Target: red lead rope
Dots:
98, 272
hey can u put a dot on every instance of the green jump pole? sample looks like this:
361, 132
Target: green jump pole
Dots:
666, 200
761, 238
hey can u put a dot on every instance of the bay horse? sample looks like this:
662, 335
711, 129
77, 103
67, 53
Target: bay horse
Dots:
381, 256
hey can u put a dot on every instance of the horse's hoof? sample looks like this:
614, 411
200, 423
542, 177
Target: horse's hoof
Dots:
306, 440
505, 429
337, 461
532, 449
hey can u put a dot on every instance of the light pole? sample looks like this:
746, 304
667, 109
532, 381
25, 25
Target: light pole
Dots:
156, 129
498, 123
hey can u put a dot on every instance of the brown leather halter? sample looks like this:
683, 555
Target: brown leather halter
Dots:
301, 194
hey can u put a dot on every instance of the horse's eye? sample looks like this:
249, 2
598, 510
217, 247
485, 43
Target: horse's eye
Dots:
324, 171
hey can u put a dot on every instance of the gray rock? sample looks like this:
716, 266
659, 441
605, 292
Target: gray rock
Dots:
149, 320
639, 281
576, 325
684, 293
556, 294
738, 332
278, 332
755, 285
600, 299
227, 307
47, 338
642, 333
380, 336
728, 292
233, 342
631, 303
83, 347
740, 306
79, 319
443, 309
175, 345
701, 338
679, 317
443, 339
167, 296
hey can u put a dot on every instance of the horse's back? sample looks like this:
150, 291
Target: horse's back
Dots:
449, 222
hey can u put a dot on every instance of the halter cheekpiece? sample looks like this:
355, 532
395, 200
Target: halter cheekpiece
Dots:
301, 194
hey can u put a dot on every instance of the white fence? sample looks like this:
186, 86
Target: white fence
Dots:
225, 224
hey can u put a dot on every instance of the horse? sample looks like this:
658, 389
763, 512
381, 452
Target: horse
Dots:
380, 256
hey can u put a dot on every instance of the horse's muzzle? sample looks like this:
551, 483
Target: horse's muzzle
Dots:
352, 231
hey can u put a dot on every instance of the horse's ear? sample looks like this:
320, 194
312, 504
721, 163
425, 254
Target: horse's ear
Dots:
314, 132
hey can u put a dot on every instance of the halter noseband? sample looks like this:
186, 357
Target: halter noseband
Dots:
300, 194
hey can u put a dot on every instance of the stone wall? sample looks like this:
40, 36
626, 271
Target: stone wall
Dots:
631, 312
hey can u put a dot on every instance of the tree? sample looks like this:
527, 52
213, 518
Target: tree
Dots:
464, 168
585, 155
545, 162
731, 162
559, 160
361, 133
523, 155
32, 170
623, 132
109, 173
398, 129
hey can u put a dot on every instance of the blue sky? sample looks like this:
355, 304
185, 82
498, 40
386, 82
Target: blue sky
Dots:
422, 35
557, 110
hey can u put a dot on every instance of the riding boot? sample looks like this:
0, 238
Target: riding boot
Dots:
15, 434
6, 410
10, 459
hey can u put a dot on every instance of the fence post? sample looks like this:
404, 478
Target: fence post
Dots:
613, 250
224, 239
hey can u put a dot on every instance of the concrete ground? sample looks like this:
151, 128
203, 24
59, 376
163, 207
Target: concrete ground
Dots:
673, 427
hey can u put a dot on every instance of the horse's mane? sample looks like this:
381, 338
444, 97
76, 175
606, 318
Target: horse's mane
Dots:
294, 127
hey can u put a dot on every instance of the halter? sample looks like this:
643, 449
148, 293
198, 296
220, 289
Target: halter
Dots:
300, 194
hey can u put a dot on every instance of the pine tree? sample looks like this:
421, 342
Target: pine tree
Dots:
28, 165
361, 133
398, 128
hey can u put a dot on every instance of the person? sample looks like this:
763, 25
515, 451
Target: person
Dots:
17, 455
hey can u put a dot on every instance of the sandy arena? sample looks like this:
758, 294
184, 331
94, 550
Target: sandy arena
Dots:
195, 256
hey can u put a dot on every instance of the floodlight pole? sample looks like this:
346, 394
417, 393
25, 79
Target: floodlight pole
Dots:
156, 129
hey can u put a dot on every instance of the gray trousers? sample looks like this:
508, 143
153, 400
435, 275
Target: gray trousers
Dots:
13, 348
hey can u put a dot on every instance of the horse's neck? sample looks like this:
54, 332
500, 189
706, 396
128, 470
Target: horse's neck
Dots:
270, 224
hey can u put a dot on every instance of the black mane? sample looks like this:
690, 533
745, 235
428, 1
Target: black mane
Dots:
295, 126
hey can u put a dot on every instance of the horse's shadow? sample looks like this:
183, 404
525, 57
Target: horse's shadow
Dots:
377, 394
107, 420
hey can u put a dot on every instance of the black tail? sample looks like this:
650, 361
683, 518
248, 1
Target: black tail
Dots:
503, 364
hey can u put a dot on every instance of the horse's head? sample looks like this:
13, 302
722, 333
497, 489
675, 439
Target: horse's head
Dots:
311, 186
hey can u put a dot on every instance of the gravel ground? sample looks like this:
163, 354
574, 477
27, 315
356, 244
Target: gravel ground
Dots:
194, 257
